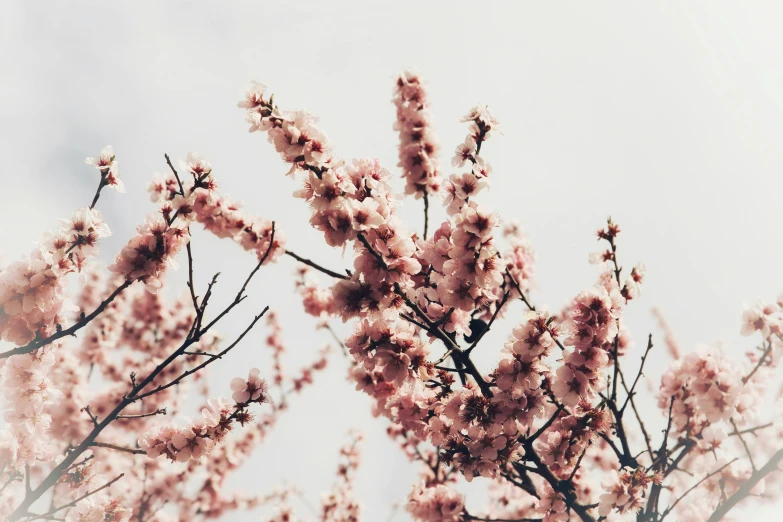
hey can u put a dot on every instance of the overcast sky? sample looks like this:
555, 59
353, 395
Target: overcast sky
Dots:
665, 115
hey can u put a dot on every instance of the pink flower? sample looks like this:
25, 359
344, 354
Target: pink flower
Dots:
104, 161
253, 389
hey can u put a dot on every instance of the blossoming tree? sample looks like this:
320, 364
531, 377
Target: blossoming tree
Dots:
553, 428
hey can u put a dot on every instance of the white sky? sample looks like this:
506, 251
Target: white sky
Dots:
665, 115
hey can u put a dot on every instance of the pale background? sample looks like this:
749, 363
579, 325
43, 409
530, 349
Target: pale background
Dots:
666, 116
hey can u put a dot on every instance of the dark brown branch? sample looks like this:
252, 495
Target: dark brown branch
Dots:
314, 265
468, 516
561, 486
258, 266
101, 184
193, 370
426, 213
546, 425
489, 324
176, 175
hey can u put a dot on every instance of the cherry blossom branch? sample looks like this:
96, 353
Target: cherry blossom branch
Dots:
561, 486
459, 356
38, 343
134, 395
74, 502
746, 488
206, 363
699, 483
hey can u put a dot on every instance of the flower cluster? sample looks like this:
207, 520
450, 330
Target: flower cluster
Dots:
196, 439
766, 318
438, 503
703, 388
28, 391
592, 325
32, 290
108, 167
625, 491
418, 144
340, 504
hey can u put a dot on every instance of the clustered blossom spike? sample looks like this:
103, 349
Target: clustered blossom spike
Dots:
593, 324
435, 504
340, 504
418, 145
545, 419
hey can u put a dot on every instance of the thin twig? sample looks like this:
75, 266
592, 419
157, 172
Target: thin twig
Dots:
161, 411
315, 265
744, 444
106, 445
426, 214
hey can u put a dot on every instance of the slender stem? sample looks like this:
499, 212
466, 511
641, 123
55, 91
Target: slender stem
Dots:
161, 411
193, 370
179, 182
100, 187
762, 360
426, 213
744, 444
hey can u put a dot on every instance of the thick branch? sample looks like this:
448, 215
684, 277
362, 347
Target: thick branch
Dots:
745, 489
